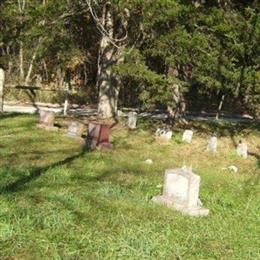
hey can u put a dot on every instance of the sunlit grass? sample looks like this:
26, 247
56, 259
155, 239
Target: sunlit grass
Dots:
57, 202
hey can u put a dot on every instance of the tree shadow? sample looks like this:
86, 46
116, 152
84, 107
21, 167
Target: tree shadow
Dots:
30, 91
36, 173
9, 115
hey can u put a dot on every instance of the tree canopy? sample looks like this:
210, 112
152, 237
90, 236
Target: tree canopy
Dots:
172, 54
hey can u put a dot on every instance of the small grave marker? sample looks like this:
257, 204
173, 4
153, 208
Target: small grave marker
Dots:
242, 149
187, 136
75, 129
181, 192
163, 134
212, 144
132, 120
46, 120
98, 136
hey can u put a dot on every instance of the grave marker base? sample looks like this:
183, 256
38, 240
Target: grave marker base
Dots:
169, 202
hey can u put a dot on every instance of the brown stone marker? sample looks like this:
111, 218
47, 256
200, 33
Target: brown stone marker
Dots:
46, 120
98, 136
75, 129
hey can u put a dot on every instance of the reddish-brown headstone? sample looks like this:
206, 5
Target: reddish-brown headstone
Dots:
98, 134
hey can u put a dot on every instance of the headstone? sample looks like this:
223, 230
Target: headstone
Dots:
75, 129
98, 136
46, 120
187, 136
181, 192
242, 149
132, 120
212, 144
163, 134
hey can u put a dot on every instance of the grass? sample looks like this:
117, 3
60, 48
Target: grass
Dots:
57, 202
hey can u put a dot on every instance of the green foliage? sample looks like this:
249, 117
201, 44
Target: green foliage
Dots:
213, 46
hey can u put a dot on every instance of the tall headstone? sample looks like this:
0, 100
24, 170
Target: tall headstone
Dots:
132, 120
212, 144
75, 129
98, 136
181, 192
46, 120
187, 136
242, 149
2, 81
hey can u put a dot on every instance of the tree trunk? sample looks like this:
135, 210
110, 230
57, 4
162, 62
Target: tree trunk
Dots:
107, 82
28, 76
220, 106
21, 64
177, 96
2, 80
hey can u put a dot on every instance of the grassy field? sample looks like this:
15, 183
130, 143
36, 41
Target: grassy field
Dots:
58, 202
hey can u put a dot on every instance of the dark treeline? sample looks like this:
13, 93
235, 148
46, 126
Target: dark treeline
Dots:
169, 54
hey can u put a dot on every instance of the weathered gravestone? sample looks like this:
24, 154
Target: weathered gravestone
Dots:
181, 192
75, 129
242, 149
187, 136
163, 134
46, 120
98, 136
212, 144
132, 120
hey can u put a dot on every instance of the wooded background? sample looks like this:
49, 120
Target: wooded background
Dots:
175, 55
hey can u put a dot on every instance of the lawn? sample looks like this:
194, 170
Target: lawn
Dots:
59, 202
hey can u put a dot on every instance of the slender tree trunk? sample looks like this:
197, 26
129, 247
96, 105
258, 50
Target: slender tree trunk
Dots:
45, 70
2, 80
21, 61
28, 76
220, 106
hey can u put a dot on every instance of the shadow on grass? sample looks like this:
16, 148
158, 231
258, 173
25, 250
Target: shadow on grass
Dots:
36, 173
257, 156
9, 115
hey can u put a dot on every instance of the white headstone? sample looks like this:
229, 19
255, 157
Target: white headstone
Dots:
181, 192
176, 185
187, 136
242, 150
164, 134
132, 120
212, 144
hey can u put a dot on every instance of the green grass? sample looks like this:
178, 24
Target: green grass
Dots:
57, 202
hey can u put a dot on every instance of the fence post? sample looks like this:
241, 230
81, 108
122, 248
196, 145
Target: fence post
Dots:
66, 102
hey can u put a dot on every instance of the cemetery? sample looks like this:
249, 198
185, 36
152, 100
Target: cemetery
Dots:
129, 129
59, 198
